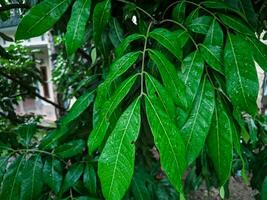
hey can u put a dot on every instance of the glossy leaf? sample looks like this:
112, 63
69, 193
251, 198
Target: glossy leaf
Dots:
220, 144
236, 24
168, 141
97, 135
200, 24
41, 18
167, 39
76, 25
25, 133
170, 77
115, 32
101, 16
72, 176
89, 179
120, 50
214, 35
3, 165
116, 163
12, 180
70, 149
32, 184
178, 12
213, 55
240, 72
196, 128
247, 9
155, 89
52, 174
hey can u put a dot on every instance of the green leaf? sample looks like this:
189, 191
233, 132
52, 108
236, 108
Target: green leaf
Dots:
116, 162
101, 16
178, 12
3, 165
52, 174
192, 70
259, 51
214, 35
72, 176
236, 24
117, 68
169, 40
213, 55
41, 18
115, 32
220, 144
168, 141
139, 187
78, 108
240, 73
247, 9
120, 50
25, 133
32, 184
200, 24
89, 179
170, 77
264, 189
155, 89
97, 135
196, 128
76, 26
70, 149
12, 180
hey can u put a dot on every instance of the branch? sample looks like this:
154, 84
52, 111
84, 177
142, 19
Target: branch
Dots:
34, 93
14, 6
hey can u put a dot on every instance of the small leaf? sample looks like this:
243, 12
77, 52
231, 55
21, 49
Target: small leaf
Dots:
200, 24
213, 55
72, 176
89, 179
220, 144
12, 180
97, 135
25, 133
76, 25
52, 174
178, 12
115, 32
70, 149
236, 24
116, 163
170, 77
41, 18
169, 40
32, 184
240, 73
101, 16
196, 128
168, 141
120, 50
214, 35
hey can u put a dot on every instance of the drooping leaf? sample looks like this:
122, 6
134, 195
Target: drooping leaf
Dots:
168, 141
236, 24
89, 179
120, 50
101, 16
32, 180
240, 73
52, 174
72, 176
169, 40
220, 144
41, 18
70, 149
214, 35
200, 24
154, 88
76, 25
97, 135
178, 12
12, 180
115, 33
213, 55
116, 163
170, 77
196, 128
25, 133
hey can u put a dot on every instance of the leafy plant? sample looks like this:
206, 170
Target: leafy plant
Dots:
175, 76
